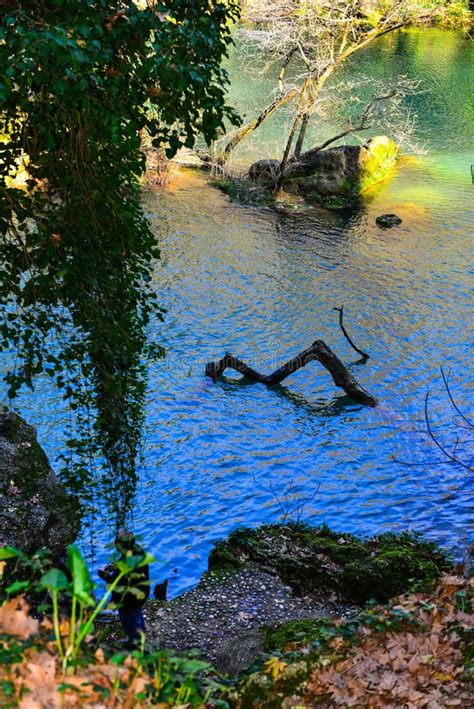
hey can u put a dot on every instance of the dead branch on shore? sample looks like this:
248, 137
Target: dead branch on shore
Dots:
318, 351
346, 334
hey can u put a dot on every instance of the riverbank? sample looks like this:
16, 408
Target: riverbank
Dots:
259, 579
304, 644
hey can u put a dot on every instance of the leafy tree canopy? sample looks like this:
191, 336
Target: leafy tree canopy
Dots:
80, 80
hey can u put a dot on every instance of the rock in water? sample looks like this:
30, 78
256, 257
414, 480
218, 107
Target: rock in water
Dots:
387, 221
265, 171
336, 177
35, 510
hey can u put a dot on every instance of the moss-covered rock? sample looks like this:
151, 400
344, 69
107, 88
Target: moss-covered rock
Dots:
246, 191
339, 177
35, 510
318, 559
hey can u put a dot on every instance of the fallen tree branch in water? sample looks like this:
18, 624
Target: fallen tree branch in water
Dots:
318, 351
346, 334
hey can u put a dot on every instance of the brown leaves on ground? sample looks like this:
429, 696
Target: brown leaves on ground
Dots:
417, 667
39, 683
15, 619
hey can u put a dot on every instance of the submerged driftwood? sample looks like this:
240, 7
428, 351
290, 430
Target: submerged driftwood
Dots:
318, 351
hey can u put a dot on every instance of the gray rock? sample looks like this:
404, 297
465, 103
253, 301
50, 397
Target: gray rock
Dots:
387, 221
265, 171
239, 652
35, 510
343, 173
327, 172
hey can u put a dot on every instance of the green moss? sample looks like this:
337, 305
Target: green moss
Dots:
338, 201
320, 560
294, 631
244, 191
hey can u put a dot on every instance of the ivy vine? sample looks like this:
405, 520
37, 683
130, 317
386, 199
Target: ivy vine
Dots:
80, 81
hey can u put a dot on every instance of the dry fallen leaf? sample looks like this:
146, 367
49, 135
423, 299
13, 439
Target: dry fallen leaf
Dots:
14, 619
421, 668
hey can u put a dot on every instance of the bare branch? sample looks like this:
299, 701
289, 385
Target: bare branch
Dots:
324, 35
346, 334
455, 406
443, 450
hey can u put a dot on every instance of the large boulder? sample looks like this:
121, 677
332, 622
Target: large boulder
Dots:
35, 510
344, 172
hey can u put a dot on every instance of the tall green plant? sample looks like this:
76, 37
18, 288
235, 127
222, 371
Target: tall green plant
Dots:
73, 585
79, 81
79, 591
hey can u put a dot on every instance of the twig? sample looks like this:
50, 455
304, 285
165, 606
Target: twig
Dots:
438, 444
455, 406
318, 351
346, 335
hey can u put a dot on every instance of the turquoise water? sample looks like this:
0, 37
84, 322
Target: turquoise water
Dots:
263, 286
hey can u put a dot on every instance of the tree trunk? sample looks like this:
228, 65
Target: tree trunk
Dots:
249, 128
318, 351
301, 136
286, 154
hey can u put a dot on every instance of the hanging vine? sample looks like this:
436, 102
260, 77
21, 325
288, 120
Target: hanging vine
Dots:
79, 81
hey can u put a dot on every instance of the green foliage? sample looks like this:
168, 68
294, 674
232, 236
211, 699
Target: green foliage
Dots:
80, 81
452, 13
70, 586
183, 680
81, 581
319, 559
22, 572
180, 680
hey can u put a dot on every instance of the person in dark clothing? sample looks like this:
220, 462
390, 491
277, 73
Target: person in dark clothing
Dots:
133, 590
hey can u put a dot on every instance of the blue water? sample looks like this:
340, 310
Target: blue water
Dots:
263, 286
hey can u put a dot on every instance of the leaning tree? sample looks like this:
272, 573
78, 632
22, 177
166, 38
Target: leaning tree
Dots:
314, 38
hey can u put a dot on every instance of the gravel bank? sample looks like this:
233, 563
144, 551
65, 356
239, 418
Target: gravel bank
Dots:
222, 616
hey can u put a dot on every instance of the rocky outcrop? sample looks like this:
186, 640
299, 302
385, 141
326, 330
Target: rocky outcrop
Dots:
347, 171
224, 615
35, 510
334, 177
319, 560
264, 582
